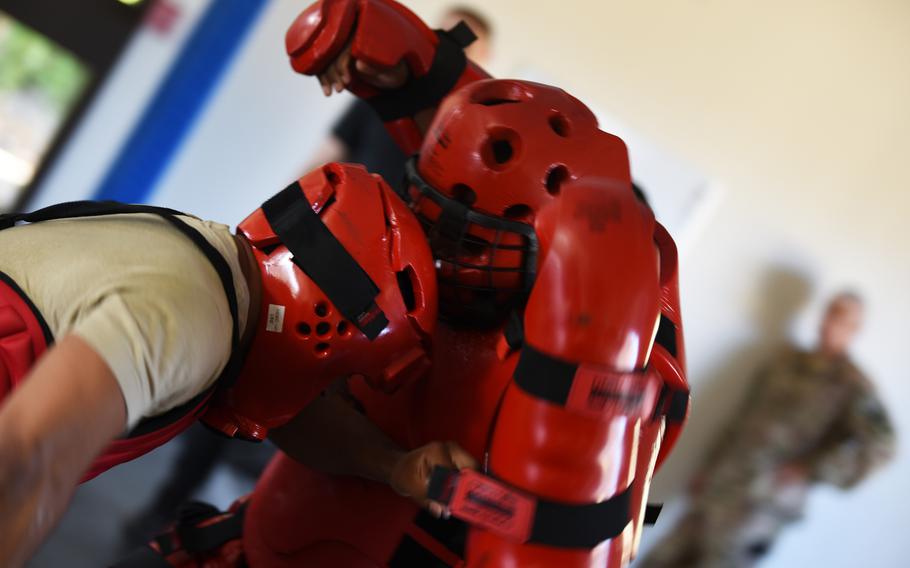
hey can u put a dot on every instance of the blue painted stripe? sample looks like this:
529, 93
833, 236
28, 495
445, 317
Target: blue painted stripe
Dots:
180, 98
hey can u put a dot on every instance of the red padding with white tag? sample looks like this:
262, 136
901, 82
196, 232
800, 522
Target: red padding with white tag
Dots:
486, 503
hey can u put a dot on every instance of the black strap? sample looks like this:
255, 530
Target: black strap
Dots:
666, 335
652, 512
143, 557
544, 376
324, 259
73, 209
549, 378
557, 524
424, 92
76, 209
673, 403
197, 539
514, 330
581, 526
193, 538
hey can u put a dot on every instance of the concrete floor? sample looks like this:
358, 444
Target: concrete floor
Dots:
91, 533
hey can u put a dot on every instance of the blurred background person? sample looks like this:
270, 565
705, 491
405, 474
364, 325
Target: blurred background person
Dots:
811, 417
359, 136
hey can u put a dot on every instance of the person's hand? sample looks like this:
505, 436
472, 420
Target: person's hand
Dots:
340, 73
411, 475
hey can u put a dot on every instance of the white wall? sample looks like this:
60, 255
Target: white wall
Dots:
798, 108
258, 132
110, 118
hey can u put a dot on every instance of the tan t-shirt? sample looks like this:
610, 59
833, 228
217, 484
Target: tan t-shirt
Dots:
139, 292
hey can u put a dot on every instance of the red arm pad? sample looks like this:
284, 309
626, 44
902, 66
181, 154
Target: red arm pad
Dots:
591, 317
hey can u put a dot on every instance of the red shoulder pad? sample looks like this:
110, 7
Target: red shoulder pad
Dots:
595, 299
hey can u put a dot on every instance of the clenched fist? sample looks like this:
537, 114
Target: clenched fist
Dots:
411, 475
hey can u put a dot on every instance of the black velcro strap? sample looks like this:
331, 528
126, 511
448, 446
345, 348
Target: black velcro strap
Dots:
143, 557
324, 259
544, 376
581, 526
652, 512
666, 335
197, 539
424, 92
677, 406
514, 330
462, 34
551, 523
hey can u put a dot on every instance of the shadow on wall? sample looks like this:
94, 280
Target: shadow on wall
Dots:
782, 293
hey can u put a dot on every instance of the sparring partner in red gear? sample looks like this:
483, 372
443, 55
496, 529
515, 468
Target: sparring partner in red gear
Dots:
343, 284
559, 362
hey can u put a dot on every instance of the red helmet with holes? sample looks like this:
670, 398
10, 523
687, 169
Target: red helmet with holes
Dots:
348, 288
497, 151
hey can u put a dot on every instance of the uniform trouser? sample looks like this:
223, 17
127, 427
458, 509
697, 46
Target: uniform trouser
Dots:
720, 535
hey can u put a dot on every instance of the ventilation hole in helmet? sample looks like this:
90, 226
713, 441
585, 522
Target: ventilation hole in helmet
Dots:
496, 102
492, 93
321, 309
303, 328
332, 177
464, 194
557, 176
322, 349
517, 211
502, 151
323, 328
501, 148
342, 328
559, 124
406, 286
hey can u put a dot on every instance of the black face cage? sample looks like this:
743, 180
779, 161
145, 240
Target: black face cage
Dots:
451, 242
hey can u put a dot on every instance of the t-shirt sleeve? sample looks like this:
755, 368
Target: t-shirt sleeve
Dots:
163, 347
349, 127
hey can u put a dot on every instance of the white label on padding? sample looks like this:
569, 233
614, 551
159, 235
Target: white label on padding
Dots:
276, 318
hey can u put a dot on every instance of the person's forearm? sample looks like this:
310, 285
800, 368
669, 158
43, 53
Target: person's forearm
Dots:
332, 437
31, 499
17, 487
52, 428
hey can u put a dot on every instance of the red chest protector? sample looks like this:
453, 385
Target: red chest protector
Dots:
24, 335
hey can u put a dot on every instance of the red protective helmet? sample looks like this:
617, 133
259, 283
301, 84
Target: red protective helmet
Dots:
496, 153
348, 288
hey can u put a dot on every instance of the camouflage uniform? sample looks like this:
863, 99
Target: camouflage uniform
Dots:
804, 409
